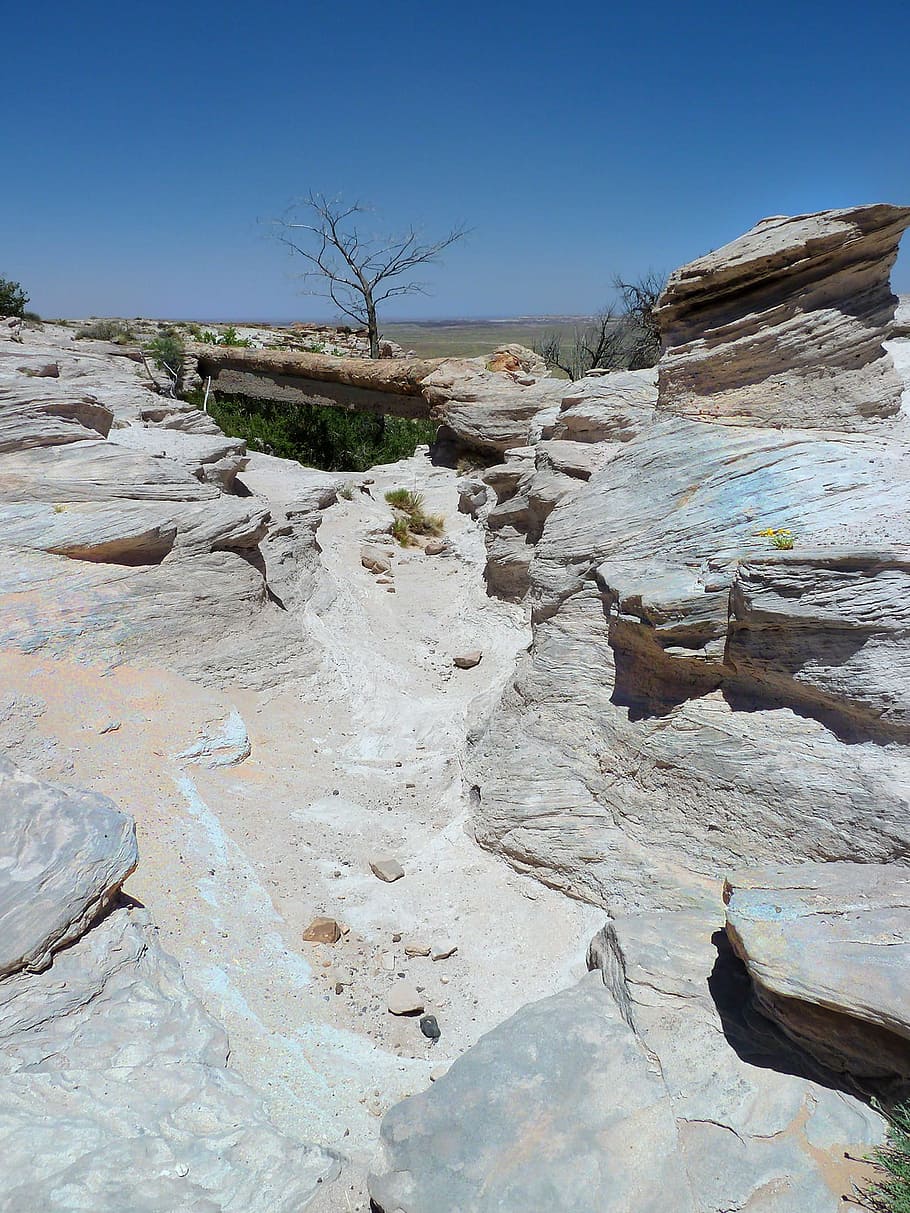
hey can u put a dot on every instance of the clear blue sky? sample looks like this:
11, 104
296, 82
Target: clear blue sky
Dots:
143, 145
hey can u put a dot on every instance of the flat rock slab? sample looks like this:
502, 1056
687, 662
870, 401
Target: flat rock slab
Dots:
63, 856
529, 1119
467, 661
405, 999
828, 948
386, 869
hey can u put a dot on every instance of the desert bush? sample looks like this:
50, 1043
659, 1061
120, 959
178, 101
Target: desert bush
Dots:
426, 524
230, 336
117, 331
318, 436
12, 298
166, 351
413, 515
615, 340
892, 1193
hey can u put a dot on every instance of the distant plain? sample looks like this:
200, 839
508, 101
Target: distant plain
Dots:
471, 338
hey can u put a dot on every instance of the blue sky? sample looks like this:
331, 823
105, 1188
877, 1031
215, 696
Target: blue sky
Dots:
145, 147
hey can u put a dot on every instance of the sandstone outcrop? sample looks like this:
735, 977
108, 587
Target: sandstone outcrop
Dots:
615, 1094
123, 514
113, 1086
694, 692
828, 950
784, 326
697, 697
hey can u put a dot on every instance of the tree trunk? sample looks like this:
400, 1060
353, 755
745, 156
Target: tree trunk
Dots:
372, 325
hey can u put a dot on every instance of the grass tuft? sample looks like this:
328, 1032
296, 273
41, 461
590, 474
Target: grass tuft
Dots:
892, 1194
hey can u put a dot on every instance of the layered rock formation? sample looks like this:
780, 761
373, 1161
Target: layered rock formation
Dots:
125, 516
828, 949
717, 574
691, 686
620, 1094
784, 326
113, 1086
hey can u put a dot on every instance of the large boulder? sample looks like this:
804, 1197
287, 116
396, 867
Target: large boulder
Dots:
558, 1108
828, 949
488, 410
784, 326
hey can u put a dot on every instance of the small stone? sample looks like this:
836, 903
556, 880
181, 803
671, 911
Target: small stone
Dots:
384, 580
110, 727
435, 547
373, 560
430, 1027
467, 661
416, 949
404, 999
390, 589
396, 937
386, 869
322, 930
437, 1072
443, 951
388, 961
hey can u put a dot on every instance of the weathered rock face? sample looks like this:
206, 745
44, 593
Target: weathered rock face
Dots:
784, 326
694, 693
113, 1087
65, 856
828, 949
119, 518
489, 410
616, 1095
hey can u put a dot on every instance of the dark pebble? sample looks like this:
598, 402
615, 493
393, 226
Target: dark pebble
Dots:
430, 1027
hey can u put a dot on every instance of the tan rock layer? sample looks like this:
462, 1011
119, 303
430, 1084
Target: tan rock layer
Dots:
784, 325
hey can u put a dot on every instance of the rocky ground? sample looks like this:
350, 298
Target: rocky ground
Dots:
606, 673
353, 755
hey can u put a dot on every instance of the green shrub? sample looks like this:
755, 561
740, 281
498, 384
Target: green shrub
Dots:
318, 436
416, 520
166, 351
12, 298
347, 491
231, 337
892, 1194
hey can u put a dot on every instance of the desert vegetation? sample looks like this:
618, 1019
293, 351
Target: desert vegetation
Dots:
333, 439
12, 298
625, 337
411, 518
891, 1193
352, 268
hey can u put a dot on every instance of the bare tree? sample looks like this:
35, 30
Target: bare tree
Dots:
639, 299
615, 340
357, 271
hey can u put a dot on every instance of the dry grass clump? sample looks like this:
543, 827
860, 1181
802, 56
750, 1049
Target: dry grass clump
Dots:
411, 518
